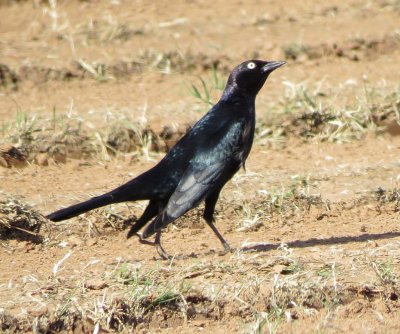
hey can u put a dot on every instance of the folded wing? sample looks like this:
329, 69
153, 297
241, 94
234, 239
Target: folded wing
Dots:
216, 163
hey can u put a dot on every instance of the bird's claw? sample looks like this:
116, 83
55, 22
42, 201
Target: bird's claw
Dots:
144, 241
227, 249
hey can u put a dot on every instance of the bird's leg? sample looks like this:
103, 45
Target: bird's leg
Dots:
160, 250
144, 241
208, 214
150, 212
227, 248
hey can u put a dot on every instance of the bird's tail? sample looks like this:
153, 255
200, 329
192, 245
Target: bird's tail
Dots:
140, 188
131, 191
77, 209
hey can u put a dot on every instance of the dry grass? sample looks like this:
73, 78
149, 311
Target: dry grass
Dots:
20, 221
264, 292
69, 135
304, 113
277, 203
315, 114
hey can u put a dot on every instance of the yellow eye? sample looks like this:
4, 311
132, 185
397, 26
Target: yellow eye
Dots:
251, 65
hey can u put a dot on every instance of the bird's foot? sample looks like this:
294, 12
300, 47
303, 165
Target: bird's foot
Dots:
227, 249
161, 251
144, 241
165, 256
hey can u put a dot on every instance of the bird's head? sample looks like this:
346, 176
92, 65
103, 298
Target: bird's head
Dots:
250, 76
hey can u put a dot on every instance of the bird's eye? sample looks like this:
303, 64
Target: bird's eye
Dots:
251, 65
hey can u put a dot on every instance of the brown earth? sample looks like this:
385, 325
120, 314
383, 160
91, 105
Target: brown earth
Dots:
314, 218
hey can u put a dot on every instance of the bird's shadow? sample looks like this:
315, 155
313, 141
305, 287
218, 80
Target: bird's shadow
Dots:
264, 247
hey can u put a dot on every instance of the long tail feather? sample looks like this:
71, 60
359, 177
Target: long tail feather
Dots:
77, 209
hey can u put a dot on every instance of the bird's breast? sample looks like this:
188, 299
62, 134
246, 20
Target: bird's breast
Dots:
248, 132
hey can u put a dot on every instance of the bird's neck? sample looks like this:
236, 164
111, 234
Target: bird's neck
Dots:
232, 93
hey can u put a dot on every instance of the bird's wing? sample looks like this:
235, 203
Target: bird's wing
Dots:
216, 164
192, 189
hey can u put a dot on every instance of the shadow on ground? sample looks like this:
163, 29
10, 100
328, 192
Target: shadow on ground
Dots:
264, 247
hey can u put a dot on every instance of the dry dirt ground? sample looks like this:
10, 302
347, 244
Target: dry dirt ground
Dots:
93, 93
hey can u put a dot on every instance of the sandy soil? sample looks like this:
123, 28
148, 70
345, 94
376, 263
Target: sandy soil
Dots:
323, 259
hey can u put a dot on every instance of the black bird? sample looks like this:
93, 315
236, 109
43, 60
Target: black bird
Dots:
199, 165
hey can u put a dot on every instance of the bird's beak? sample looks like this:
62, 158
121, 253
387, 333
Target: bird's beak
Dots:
272, 65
